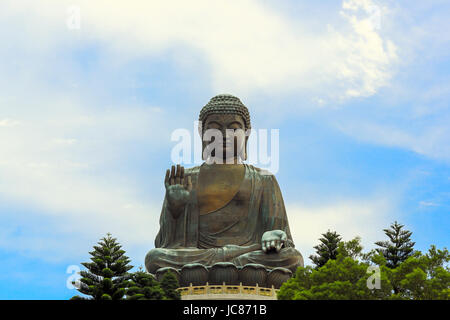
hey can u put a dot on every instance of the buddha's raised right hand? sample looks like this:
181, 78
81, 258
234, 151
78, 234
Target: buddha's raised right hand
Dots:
178, 188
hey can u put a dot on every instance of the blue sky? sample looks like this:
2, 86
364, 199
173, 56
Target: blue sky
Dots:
359, 90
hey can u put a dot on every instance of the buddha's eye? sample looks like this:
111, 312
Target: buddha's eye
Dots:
235, 126
213, 125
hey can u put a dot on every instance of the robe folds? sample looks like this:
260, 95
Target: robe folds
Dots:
231, 233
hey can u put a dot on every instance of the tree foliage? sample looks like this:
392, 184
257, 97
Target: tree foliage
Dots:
399, 247
169, 285
143, 286
107, 274
327, 249
419, 277
107, 277
343, 278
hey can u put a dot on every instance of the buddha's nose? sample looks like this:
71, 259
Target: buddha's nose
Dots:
228, 141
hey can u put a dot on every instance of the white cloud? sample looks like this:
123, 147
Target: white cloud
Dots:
348, 217
428, 204
8, 123
412, 113
60, 156
246, 46
431, 140
73, 175
64, 142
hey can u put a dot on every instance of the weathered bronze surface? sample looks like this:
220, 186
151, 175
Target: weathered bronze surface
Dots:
218, 185
231, 212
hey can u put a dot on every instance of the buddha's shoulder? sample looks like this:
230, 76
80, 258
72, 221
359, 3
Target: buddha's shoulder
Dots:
264, 173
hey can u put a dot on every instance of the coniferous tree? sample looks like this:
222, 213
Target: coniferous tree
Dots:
343, 278
169, 284
398, 248
107, 275
420, 277
327, 249
423, 276
143, 286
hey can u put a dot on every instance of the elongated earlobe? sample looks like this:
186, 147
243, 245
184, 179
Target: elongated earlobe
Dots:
203, 149
245, 148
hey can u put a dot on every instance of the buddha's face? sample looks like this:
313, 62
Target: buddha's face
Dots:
232, 129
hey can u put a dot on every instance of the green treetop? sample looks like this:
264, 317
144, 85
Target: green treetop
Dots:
327, 249
143, 286
398, 248
169, 284
106, 276
343, 278
421, 276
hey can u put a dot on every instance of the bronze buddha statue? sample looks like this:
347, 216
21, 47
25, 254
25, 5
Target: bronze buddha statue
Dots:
223, 211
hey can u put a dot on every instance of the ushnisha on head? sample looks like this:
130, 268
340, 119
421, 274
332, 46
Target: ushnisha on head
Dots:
226, 114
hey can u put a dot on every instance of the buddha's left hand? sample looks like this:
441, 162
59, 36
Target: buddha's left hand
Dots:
273, 240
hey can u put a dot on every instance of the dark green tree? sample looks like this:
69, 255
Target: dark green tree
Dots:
107, 275
421, 276
398, 248
327, 249
143, 286
169, 285
343, 278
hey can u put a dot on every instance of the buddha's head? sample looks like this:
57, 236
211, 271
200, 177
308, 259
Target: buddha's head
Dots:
227, 116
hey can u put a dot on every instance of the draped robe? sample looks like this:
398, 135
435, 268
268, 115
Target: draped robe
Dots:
231, 233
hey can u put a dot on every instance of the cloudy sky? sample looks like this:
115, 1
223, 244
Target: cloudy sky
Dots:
358, 89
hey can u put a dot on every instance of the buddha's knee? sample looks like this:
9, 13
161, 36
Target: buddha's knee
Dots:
153, 259
294, 256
